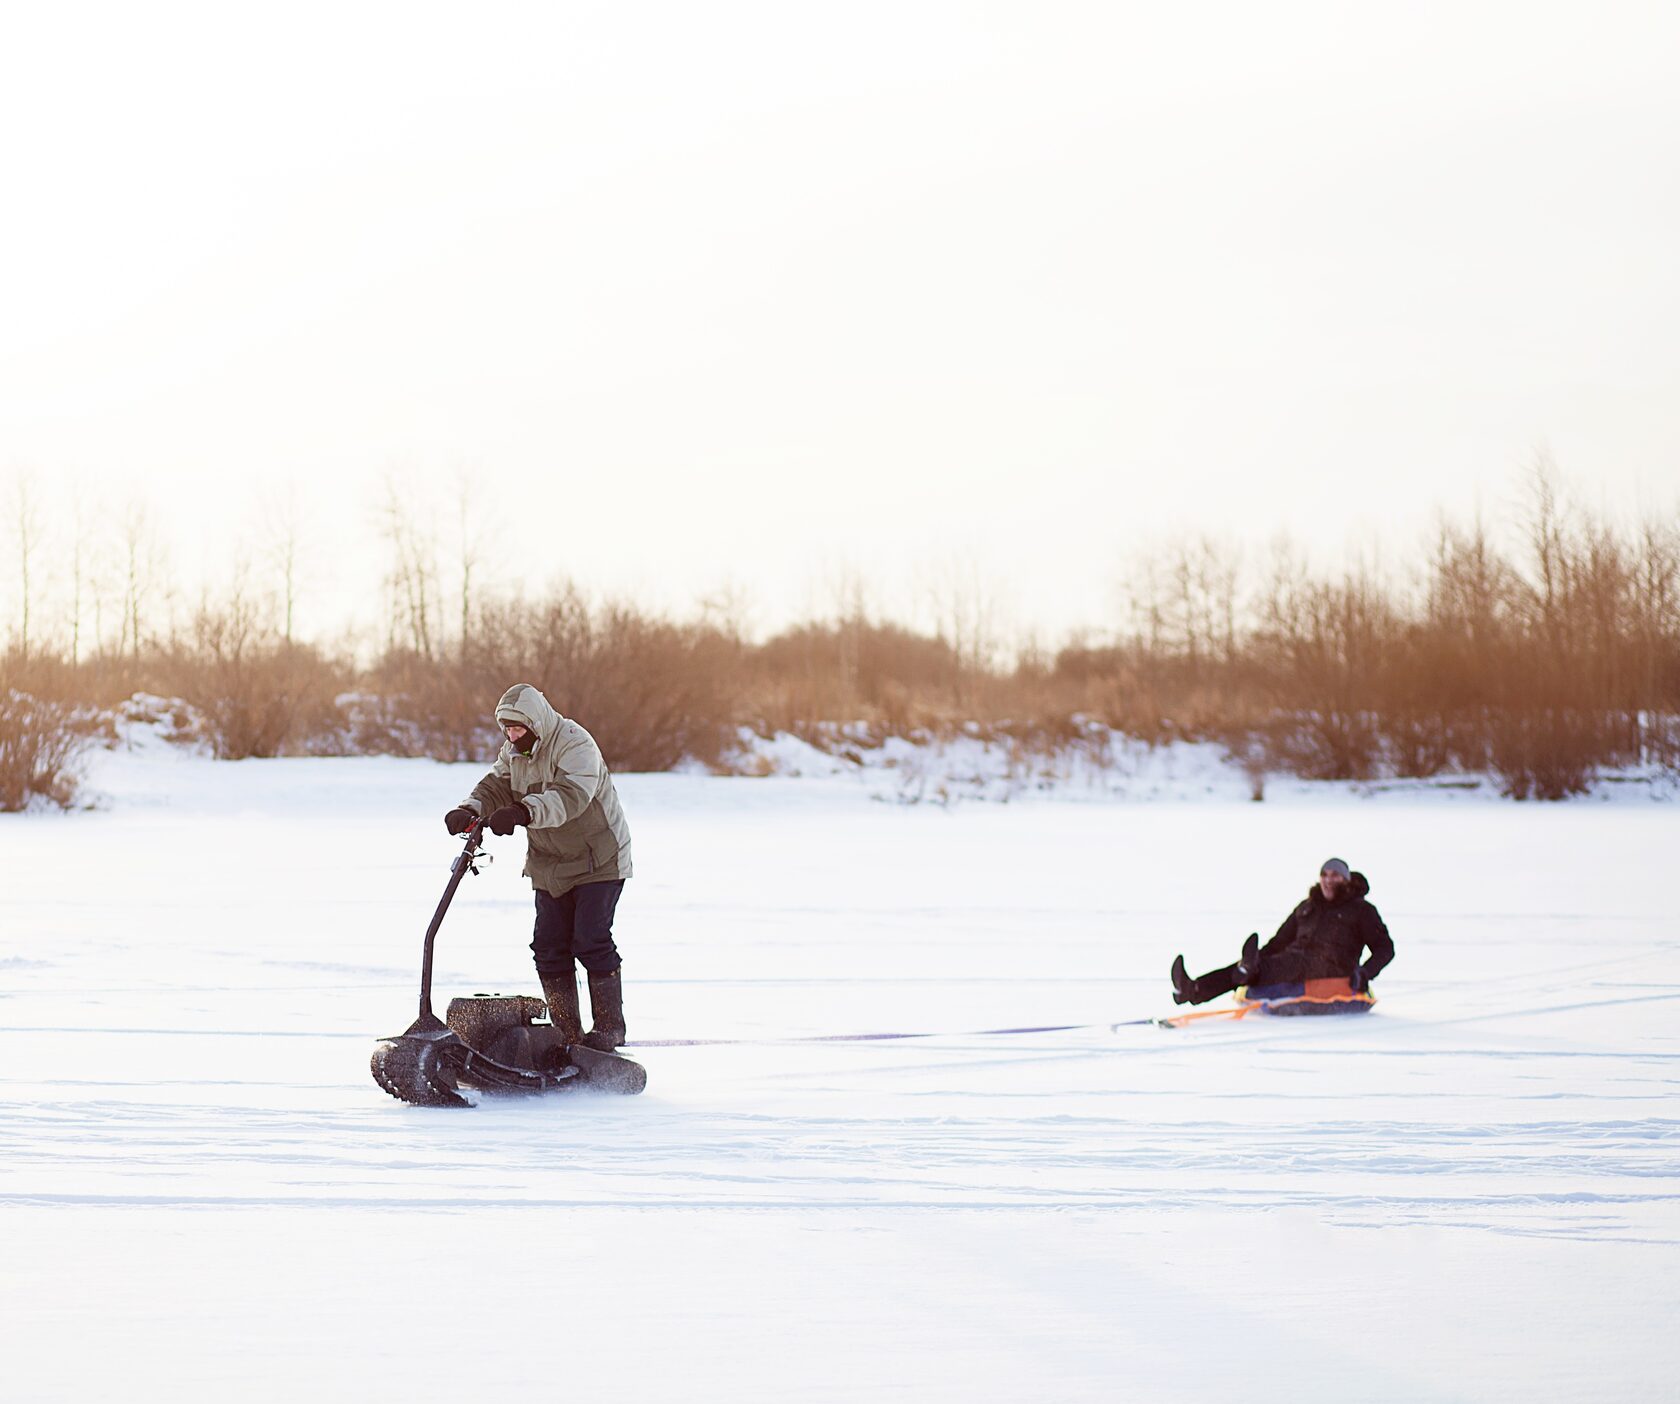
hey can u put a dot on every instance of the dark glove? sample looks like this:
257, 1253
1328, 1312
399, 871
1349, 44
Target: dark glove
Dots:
1359, 979
459, 820
504, 820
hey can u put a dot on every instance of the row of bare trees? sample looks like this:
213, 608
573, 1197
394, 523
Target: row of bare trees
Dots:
84, 577
1542, 661
1542, 655
107, 568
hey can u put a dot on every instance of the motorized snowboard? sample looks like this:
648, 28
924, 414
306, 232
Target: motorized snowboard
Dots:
490, 1043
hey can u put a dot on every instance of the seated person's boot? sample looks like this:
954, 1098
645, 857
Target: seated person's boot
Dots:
1184, 988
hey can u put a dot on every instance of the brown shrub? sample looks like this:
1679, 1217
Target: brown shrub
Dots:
651, 692
257, 694
40, 744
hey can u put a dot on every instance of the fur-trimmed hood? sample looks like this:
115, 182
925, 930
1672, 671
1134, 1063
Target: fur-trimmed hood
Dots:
1358, 886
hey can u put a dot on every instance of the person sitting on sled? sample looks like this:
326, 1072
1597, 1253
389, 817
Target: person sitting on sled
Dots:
1322, 939
550, 777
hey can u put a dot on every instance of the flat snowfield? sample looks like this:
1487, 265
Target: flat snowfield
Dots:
1471, 1194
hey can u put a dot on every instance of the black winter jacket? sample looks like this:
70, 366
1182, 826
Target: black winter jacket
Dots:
1321, 939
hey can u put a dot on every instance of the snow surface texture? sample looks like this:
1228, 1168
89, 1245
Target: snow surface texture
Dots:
1471, 1194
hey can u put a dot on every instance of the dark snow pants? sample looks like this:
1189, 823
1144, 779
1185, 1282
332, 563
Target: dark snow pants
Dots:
1213, 984
577, 927
1276, 968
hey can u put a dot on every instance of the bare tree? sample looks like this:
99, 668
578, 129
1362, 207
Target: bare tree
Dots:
475, 532
412, 579
1184, 599
1543, 523
26, 521
78, 573
139, 570
965, 614
1656, 636
849, 607
283, 517
1144, 592
727, 608
105, 568
1186, 603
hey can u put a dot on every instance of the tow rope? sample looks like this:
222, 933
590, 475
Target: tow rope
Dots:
871, 1037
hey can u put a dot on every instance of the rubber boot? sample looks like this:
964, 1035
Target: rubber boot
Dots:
606, 1005
1183, 985
1249, 966
561, 993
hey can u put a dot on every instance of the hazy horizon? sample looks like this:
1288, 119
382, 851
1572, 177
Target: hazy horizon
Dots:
758, 296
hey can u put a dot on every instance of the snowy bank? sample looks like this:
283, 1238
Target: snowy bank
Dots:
1100, 764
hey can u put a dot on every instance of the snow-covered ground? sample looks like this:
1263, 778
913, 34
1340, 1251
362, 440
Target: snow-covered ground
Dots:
1472, 1194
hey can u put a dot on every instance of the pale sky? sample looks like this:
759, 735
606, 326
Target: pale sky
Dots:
768, 293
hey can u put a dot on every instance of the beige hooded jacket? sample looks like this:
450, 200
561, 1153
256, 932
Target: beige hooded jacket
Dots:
578, 832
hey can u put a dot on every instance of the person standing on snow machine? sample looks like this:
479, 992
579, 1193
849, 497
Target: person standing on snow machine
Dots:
550, 777
1322, 939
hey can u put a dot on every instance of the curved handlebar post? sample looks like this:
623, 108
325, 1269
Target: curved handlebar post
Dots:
462, 865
